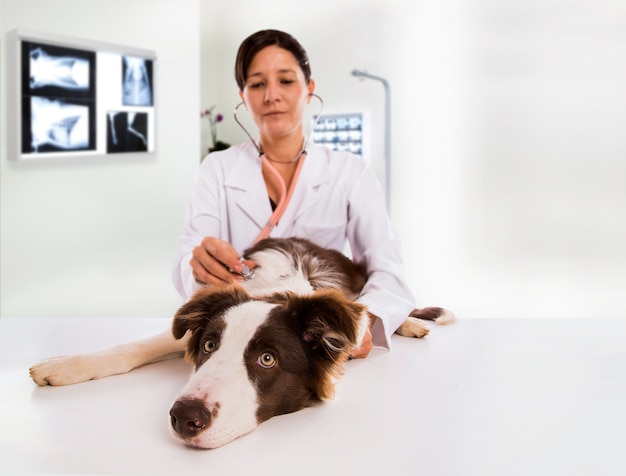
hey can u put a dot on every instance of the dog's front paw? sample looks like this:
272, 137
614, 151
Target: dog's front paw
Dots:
62, 370
413, 327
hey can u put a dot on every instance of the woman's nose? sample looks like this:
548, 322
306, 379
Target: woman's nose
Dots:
271, 93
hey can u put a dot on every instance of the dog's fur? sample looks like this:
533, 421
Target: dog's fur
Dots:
272, 345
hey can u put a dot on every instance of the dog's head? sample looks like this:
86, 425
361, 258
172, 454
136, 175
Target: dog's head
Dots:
257, 358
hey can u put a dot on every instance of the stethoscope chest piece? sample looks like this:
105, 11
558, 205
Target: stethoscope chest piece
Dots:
247, 273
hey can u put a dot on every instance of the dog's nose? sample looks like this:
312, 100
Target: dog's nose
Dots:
189, 417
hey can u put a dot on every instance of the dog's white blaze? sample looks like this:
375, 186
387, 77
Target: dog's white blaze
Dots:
274, 273
223, 379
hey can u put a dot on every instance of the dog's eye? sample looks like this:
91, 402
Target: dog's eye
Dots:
209, 346
266, 360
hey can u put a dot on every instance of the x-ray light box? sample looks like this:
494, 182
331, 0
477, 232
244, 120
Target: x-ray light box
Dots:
349, 132
72, 97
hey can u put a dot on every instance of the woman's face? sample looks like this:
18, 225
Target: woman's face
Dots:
276, 92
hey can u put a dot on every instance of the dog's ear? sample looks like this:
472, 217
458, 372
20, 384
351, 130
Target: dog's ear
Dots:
332, 327
204, 305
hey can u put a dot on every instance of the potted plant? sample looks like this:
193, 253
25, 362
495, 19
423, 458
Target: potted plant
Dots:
214, 119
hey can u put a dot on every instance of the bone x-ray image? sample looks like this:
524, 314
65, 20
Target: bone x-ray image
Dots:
58, 125
127, 131
58, 100
136, 81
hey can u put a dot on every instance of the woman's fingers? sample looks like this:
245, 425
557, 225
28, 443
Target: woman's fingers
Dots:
215, 261
210, 274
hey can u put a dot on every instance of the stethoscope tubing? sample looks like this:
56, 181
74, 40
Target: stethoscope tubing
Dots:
285, 195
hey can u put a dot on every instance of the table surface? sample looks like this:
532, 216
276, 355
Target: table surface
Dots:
481, 397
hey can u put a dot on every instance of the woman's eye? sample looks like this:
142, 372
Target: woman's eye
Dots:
209, 346
255, 85
266, 360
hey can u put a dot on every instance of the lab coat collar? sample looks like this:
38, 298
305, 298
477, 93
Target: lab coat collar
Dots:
247, 177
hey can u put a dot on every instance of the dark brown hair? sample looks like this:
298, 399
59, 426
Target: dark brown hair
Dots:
261, 39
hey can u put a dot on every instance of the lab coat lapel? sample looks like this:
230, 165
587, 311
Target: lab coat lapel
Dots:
245, 184
315, 172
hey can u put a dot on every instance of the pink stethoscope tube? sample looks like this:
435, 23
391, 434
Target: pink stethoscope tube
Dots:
285, 195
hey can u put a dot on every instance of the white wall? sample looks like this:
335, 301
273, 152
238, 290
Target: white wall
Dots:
98, 237
521, 185
509, 151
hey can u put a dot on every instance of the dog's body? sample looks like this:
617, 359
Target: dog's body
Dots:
273, 345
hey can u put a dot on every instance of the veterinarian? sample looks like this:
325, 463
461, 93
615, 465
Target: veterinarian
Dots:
335, 198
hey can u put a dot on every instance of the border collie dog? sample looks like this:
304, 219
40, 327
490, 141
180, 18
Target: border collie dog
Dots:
271, 345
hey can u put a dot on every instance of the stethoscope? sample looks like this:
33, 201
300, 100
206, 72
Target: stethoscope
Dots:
284, 194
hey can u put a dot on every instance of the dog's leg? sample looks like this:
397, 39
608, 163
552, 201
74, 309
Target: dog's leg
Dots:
414, 325
69, 369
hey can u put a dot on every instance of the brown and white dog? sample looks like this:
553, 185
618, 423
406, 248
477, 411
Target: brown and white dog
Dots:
272, 345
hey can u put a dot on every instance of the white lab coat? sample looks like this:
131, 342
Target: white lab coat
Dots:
337, 198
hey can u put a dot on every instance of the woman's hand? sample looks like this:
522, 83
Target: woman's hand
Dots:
363, 350
216, 262
366, 346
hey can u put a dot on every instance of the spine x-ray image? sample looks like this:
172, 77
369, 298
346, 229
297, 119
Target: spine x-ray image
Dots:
136, 81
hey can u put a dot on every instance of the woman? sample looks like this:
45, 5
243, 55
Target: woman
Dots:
336, 197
